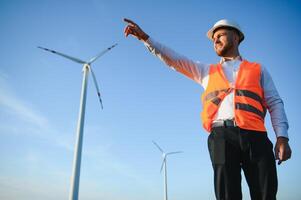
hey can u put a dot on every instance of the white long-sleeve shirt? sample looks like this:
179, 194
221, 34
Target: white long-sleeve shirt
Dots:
199, 73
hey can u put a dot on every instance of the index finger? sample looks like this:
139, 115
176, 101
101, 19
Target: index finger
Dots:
129, 21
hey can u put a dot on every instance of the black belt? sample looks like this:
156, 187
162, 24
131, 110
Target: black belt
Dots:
224, 123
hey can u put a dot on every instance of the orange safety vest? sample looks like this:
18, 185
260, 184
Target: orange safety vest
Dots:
250, 107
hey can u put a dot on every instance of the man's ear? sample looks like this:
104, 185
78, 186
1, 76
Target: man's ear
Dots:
236, 36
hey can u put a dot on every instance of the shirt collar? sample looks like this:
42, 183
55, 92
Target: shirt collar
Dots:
224, 59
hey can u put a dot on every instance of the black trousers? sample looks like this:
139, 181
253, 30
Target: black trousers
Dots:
233, 149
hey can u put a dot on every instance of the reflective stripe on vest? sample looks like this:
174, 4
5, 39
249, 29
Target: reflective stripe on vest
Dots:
250, 108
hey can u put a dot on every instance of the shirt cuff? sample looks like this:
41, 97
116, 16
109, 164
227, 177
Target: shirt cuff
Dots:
148, 42
281, 132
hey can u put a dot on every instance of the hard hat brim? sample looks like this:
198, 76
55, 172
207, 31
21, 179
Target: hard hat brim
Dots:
213, 29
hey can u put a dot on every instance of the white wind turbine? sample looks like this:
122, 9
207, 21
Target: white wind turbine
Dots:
74, 189
164, 155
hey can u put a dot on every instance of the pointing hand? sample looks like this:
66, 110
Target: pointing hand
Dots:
133, 29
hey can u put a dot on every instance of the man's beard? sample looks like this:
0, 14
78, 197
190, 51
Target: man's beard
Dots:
225, 50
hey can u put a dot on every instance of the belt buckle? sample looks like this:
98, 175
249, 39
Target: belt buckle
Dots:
229, 123
225, 123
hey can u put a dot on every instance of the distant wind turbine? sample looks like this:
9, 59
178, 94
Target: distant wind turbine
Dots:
74, 189
164, 156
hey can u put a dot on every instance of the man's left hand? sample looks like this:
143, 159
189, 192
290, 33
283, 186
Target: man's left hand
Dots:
282, 150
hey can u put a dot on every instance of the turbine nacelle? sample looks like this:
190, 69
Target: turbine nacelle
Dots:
164, 155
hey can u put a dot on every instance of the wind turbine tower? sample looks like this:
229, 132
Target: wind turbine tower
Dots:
74, 189
164, 165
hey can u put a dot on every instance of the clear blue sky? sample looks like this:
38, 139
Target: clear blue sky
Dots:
143, 99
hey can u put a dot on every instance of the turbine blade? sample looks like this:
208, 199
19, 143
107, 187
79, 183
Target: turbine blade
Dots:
101, 53
96, 86
64, 55
174, 152
163, 163
158, 147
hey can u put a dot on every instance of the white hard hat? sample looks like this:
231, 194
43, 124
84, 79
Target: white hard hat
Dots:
225, 23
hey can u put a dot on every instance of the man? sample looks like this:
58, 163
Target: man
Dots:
237, 94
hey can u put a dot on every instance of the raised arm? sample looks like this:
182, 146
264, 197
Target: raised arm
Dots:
189, 68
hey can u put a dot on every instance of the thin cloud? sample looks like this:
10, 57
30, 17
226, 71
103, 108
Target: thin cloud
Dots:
11, 105
19, 109
20, 117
